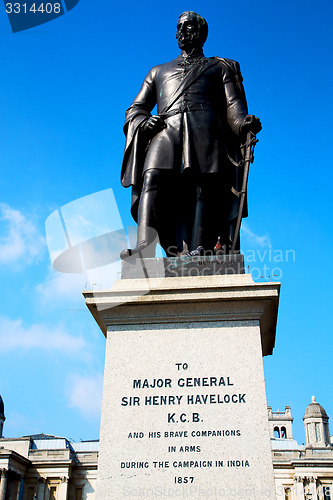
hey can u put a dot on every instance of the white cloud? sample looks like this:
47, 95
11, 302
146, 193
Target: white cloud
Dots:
21, 243
85, 393
15, 335
255, 239
67, 288
59, 287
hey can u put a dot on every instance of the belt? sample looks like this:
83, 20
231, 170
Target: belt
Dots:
184, 109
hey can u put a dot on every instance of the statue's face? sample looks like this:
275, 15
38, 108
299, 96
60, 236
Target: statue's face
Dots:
188, 32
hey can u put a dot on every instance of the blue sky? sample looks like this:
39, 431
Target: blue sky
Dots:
64, 90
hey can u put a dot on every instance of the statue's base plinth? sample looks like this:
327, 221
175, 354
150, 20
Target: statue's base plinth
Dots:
173, 267
184, 404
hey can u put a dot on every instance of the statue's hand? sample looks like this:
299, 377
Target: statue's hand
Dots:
250, 124
154, 124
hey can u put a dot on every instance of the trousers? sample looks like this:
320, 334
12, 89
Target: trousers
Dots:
178, 209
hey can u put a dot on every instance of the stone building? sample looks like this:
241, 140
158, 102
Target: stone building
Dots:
45, 467
302, 472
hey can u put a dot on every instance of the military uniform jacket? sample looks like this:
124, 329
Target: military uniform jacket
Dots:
202, 125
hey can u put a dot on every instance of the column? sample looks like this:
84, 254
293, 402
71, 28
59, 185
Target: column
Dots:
10, 488
20, 488
313, 487
63, 488
320, 492
46, 490
41, 488
3, 484
299, 487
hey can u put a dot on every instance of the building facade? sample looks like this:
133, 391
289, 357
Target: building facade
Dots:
45, 467
302, 472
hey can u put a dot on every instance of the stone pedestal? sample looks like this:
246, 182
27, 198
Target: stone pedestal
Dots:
184, 405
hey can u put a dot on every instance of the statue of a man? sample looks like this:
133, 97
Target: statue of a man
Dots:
183, 163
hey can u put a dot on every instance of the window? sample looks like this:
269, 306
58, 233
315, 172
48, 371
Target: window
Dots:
318, 433
53, 493
287, 494
31, 492
283, 432
276, 432
79, 494
310, 433
327, 492
327, 434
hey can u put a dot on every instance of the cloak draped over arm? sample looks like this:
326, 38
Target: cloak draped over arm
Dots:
136, 142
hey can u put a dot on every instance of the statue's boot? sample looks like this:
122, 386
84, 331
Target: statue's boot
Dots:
147, 223
146, 245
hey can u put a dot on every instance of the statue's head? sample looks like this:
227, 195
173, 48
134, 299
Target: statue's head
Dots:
192, 31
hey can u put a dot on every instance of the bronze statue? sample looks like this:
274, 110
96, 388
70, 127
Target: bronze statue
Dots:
185, 164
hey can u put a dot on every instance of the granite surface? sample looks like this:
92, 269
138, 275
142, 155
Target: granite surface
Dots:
184, 405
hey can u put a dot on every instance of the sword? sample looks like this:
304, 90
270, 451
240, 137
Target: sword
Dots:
249, 145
